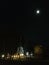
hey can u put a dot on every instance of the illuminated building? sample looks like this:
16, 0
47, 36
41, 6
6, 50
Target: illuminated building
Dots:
8, 56
38, 51
20, 50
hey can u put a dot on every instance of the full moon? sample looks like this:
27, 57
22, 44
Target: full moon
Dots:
38, 11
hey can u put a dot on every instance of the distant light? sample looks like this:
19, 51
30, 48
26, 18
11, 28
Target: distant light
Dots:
37, 49
37, 11
3, 56
14, 56
21, 54
8, 56
27, 53
31, 54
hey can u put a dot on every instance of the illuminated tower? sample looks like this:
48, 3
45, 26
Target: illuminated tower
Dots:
20, 50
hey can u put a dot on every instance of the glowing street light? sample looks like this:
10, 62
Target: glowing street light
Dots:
21, 54
31, 54
3, 56
15, 56
27, 53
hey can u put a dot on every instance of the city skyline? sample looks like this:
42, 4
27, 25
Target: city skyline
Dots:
23, 21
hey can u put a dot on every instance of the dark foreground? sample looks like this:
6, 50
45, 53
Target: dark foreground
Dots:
28, 62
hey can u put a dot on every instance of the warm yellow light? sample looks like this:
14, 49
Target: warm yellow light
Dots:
17, 56
22, 54
14, 56
38, 49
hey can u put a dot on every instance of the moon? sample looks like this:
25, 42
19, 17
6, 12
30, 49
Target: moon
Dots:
37, 11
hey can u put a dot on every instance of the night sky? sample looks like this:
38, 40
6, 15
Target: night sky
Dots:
4, 4
22, 21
